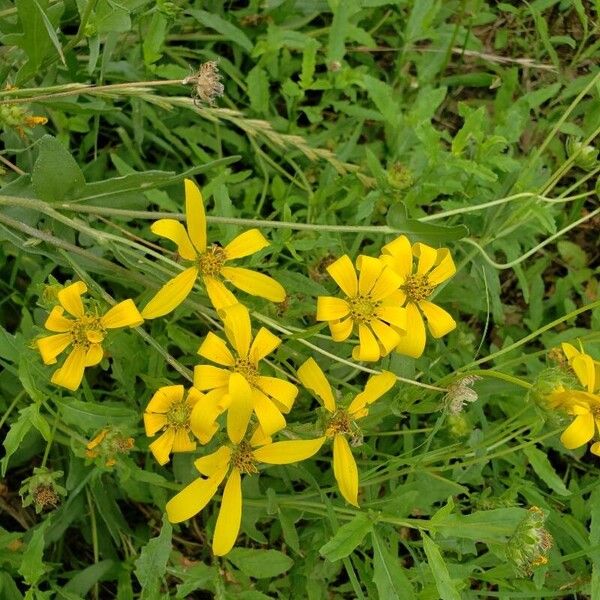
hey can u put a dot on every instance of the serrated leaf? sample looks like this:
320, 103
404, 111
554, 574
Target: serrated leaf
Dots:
260, 563
545, 471
258, 89
347, 538
388, 574
56, 176
444, 584
151, 565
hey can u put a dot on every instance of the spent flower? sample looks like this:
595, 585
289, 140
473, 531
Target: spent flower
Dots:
42, 489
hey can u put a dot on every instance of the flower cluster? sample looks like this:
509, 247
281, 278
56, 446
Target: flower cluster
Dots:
583, 404
234, 402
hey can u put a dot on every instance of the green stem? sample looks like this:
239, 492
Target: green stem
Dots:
11, 407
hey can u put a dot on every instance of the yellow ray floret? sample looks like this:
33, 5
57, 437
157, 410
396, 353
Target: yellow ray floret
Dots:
210, 263
83, 331
231, 462
433, 268
341, 422
236, 385
370, 306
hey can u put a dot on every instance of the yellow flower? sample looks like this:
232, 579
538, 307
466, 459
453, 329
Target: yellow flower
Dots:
342, 421
108, 444
232, 461
583, 404
371, 305
169, 411
237, 385
85, 332
433, 267
208, 262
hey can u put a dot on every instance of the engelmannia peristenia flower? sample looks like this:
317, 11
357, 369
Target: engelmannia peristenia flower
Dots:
434, 266
84, 332
236, 385
169, 412
583, 404
341, 421
371, 306
208, 262
231, 461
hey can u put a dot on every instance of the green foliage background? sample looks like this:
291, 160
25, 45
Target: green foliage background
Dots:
342, 124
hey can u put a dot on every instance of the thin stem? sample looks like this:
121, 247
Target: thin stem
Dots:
49, 443
11, 407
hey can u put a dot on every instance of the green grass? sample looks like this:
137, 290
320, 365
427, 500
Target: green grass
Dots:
461, 124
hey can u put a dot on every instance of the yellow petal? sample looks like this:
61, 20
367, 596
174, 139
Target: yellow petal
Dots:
343, 273
51, 346
341, 330
445, 267
207, 377
220, 297
195, 216
312, 378
387, 283
412, 343
191, 499
153, 422
369, 270
194, 396
240, 409
427, 257
579, 432
368, 348
56, 321
400, 253
162, 446
283, 392
94, 336
204, 415
388, 337
215, 349
256, 284
285, 453
230, 515
173, 230
377, 386
595, 448
264, 343
245, 244
164, 397
344, 469
269, 416
71, 373
394, 315
569, 350
70, 298
94, 355
214, 463
330, 308
583, 365
171, 295
238, 330
438, 320
260, 438
182, 442
123, 314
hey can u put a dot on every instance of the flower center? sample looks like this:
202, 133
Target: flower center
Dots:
362, 308
417, 287
87, 331
211, 261
340, 422
595, 410
246, 369
178, 415
243, 458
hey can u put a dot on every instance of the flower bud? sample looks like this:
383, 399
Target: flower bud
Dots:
531, 542
586, 157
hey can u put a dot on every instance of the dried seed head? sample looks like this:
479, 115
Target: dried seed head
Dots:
207, 83
460, 393
42, 489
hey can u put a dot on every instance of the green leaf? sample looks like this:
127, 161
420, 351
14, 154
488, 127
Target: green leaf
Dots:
34, 40
260, 563
397, 219
8, 587
108, 508
90, 416
444, 584
152, 562
339, 29
231, 32
56, 176
309, 62
572, 254
32, 566
347, 538
198, 577
154, 38
51, 31
545, 471
388, 574
85, 580
18, 430
258, 89
594, 503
